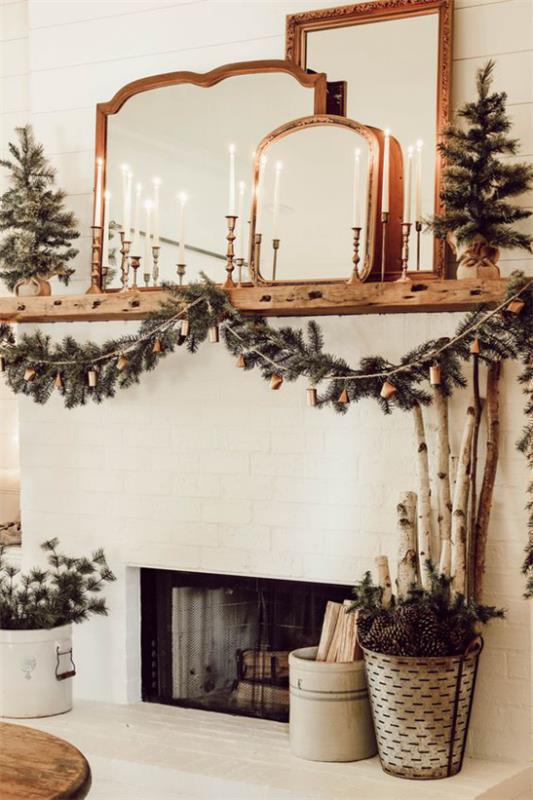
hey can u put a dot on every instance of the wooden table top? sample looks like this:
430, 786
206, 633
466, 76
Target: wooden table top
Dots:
38, 766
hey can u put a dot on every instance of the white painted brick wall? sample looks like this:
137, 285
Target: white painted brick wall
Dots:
201, 467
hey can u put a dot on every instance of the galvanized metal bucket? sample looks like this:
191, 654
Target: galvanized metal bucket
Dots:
421, 709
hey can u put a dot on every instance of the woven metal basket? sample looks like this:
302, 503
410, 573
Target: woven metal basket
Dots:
421, 710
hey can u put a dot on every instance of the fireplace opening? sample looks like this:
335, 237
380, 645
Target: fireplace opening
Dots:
221, 642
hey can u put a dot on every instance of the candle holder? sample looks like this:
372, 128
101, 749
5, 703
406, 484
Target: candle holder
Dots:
155, 266
95, 287
180, 269
257, 253
406, 230
125, 263
240, 263
418, 229
146, 278
385, 224
355, 277
275, 248
230, 250
135, 264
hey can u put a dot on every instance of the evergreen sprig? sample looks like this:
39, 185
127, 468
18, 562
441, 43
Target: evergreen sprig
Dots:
38, 229
477, 184
63, 594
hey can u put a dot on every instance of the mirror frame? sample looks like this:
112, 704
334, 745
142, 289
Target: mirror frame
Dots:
317, 82
299, 25
374, 137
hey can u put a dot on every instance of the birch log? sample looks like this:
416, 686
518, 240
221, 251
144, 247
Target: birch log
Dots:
407, 559
440, 402
382, 567
424, 527
472, 513
489, 475
460, 505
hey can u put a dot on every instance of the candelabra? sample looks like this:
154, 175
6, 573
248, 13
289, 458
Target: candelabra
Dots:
275, 248
180, 269
135, 264
355, 277
95, 287
385, 224
240, 263
418, 229
406, 230
125, 263
155, 266
257, 254
230, 251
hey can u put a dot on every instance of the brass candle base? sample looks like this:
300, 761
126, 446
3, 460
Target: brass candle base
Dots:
385, 224
95, 287
135, 264
418, 229
355, 277
155, 267
406, 230
240, 263
230, 250
180, 269
275, 248
125, 263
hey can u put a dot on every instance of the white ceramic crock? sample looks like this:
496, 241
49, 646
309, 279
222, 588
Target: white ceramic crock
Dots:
36, 671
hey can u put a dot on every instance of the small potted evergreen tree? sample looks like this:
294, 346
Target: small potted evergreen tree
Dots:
478, 216
37, 610
37, 228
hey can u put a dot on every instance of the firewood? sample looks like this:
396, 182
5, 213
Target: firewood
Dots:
440, 402
384, 580
460, 505
407, 560
489, 476
350, 649
336, 639
331, 615
424, 528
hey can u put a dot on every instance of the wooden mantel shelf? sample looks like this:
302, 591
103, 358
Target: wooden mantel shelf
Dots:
309, 299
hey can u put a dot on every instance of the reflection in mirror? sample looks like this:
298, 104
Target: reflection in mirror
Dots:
168, 149
391, 70
313, 190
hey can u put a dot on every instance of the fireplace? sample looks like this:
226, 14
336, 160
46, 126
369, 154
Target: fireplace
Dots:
221, 642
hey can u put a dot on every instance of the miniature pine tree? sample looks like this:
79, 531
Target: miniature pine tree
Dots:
37, 229
477, 183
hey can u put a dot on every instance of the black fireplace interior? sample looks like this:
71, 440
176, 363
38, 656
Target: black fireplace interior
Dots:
221, 642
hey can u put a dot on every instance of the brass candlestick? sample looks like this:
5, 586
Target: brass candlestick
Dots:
240, 263
385, 223
95, 287
418, 229
355, 277
125, 264
257, 254
135, 264
230, 251
275, 248
180, 269
406, 230
155, 267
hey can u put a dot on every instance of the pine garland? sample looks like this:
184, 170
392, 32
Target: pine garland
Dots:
35, 366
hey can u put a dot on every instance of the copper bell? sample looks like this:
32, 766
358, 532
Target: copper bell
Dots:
343, 397
29, 374
388, 390
516, 306
122, 362
312, 398
276, 381
157, 348
474, 347
58, 382
240, 363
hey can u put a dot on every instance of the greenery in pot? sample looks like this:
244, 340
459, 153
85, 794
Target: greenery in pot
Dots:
431, 622
63, 594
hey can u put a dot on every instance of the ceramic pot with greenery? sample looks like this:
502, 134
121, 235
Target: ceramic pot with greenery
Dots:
37, 610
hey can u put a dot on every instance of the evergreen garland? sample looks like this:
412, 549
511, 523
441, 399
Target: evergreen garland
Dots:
36, 366
38, 229
476, 182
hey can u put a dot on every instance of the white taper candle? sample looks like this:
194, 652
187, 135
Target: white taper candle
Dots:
242, 222
231, 193
386, 174
98, 192
182, 197
407, 205
156, 183
106, 231
418, 198
136, 243
148, 238
275, 210
357, 188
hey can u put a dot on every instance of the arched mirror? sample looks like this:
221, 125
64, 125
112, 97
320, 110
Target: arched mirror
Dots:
173, 160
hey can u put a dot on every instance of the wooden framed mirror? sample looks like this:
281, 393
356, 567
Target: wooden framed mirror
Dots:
168, 134
395, 57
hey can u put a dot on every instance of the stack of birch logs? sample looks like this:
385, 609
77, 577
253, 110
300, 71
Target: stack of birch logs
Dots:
463, 513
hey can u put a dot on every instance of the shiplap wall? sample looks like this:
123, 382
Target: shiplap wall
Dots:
201, 467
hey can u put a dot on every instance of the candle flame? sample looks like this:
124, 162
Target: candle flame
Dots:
125, 167
279, 166
387, 132
419, 144
231, 149
357, 152
410, 151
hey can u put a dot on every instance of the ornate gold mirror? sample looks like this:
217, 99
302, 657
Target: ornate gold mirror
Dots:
395, 59
174, 163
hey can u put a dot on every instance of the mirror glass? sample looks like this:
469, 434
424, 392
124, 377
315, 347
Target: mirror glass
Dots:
180, 135
391, 70
313, 189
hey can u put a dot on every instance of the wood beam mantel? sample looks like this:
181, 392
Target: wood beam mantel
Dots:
284, 300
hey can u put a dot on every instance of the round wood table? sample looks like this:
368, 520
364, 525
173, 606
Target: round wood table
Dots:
38, 766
